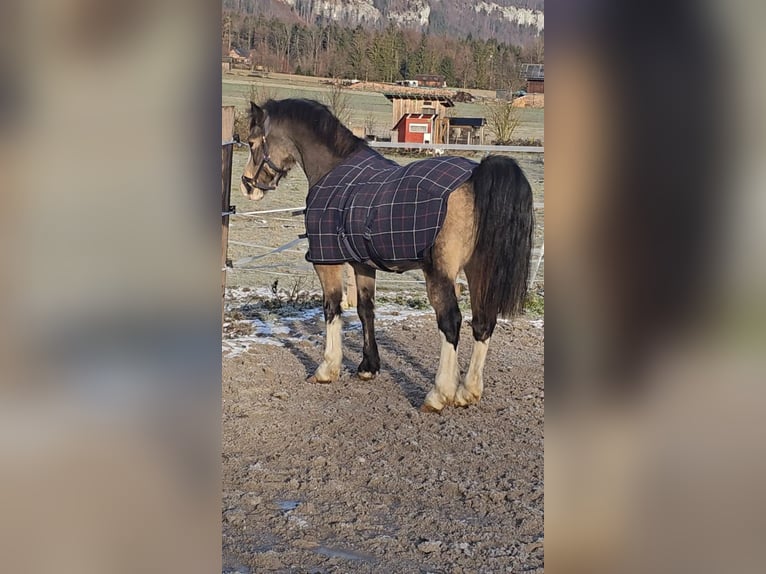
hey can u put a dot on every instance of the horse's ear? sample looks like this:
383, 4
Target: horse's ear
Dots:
257, 115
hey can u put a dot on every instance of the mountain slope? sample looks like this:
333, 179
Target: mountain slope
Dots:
511, 21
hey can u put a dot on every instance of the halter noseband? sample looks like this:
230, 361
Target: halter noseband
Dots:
251, 182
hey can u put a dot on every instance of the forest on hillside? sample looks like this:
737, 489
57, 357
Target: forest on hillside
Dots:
386, 55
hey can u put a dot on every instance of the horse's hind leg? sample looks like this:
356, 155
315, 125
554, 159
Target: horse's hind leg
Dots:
483, 323
331, 278
365, 306
441, 293
451, 250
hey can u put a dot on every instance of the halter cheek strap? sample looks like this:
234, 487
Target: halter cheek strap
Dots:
251, 182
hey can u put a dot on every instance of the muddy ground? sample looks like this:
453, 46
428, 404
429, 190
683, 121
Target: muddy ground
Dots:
352, 477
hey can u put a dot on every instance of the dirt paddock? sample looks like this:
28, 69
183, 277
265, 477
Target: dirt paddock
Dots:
351, 477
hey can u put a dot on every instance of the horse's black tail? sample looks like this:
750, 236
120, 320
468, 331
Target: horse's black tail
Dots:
504, 221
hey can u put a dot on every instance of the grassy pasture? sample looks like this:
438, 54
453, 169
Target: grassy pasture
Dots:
236, 92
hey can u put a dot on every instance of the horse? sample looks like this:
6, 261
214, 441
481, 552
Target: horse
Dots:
443, 215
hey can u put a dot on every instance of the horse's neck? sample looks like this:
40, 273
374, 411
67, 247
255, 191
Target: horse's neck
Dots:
316, 160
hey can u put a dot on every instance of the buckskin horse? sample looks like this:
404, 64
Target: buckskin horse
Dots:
443, 215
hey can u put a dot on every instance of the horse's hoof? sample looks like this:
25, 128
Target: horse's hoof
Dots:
314, 381
365, 375
435, 402
464, 398
463, 403
426, 408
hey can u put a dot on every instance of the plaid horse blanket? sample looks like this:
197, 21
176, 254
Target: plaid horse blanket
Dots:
371, 209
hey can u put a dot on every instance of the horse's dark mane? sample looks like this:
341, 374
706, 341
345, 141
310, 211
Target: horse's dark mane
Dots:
319, 120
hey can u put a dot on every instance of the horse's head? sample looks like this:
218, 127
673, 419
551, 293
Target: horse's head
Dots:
271, 155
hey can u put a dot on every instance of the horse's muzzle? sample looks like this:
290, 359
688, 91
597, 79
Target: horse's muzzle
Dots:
250, 184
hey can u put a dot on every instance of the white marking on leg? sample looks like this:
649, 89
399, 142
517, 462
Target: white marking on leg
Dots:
470, 392
447, 378
333, 353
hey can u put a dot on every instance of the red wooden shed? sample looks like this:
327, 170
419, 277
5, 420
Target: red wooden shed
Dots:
415, 128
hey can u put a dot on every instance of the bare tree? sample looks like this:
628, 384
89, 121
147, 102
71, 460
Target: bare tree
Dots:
226, 33
258, 94
261, 94
370, 125
339, 102
502, 119
540, 49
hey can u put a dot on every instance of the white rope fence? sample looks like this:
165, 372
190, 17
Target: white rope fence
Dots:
454, 147
301, 209
294, 210
306, 270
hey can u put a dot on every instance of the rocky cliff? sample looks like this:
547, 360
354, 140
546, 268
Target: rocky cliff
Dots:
505, 20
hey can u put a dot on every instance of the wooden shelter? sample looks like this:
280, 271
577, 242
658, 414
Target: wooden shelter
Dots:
535, 86
467, 130
430, 80
534, 74
239, 58
423, 103
415, 128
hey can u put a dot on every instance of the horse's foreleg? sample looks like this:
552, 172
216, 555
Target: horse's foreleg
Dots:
365, 306
441, 293
331, 278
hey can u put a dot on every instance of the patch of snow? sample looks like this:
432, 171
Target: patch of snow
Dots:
264, 329
304, 315
277, 331
520, 16
358, 12
391, 313
418, 13
237, 293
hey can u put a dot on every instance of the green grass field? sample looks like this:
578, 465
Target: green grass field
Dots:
236, 92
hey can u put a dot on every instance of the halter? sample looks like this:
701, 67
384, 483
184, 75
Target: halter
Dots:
251, 182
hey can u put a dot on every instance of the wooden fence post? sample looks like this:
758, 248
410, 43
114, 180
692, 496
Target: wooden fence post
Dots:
227, 153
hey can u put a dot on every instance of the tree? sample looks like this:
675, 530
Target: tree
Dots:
447, 69
370, 125
502, 119
339, 102
357, 56
482, 62
324, 48
226, 34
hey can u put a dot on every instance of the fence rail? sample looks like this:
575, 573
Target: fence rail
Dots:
299, 211
458, 147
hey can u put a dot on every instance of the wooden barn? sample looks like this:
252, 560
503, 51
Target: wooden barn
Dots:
426, 104
534, 74
535, 86
430, 81
239, 58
